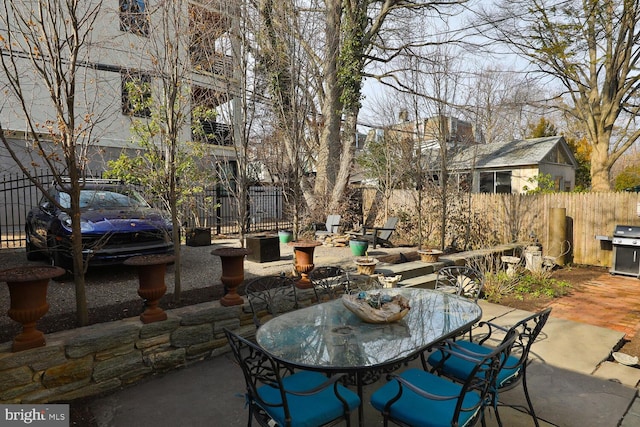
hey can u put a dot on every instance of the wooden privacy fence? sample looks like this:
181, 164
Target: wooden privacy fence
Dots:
514, 217
587, 214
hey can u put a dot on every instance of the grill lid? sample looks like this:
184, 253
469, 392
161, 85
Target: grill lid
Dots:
628, 231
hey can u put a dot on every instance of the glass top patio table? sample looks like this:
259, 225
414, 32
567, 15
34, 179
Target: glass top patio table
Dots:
328, 337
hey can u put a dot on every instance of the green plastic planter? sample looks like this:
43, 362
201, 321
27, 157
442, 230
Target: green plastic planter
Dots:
358, 247
285, 236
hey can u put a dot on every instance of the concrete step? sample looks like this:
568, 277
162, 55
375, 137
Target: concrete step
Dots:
408, 270
423, 275
428, 281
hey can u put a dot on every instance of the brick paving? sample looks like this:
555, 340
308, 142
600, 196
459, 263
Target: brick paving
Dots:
609, 301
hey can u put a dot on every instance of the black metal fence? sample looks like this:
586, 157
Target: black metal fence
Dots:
218, 209
215, 208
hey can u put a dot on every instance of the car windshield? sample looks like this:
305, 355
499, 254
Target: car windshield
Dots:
104, 199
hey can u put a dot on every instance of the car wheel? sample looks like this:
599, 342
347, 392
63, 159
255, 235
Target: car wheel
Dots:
33, 253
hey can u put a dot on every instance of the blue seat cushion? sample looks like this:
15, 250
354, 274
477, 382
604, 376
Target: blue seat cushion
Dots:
307, 411
459, 368
416, 410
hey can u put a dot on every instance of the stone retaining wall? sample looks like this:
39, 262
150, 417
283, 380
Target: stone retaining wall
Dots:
104, 357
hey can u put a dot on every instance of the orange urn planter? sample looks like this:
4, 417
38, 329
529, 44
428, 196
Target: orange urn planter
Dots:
303, 253
232, 260
28, 296
151, 273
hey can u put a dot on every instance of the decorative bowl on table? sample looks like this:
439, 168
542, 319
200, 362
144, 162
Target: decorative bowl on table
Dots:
377, 307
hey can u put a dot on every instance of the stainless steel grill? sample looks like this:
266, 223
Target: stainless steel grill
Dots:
626, 250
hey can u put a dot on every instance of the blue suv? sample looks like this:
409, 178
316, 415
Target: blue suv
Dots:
116, 224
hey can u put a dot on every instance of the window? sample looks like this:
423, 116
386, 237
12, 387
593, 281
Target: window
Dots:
462, 181
495, 182
503, 182
136, 94
133, 17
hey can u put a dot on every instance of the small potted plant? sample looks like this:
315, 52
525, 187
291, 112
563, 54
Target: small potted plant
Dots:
429, 255
366, 264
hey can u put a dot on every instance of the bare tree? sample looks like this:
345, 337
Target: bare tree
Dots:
357, 33
160, 113
499, 103
433, 91
385, 158
444, 82
50, 92
590, 49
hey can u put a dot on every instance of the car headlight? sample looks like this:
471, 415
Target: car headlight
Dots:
65, 221
85, 226
168, 223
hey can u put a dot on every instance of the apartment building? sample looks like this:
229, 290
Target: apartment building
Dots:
127, 43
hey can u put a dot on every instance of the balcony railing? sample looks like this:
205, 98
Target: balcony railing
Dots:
211, 132
213, 63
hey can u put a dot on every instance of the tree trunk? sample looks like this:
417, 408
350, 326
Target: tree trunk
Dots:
79, 267
600, 168
346, 160
328, 151
177, 290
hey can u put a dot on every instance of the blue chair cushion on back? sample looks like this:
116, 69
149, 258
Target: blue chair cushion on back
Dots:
307, 411
416, 410
457, 367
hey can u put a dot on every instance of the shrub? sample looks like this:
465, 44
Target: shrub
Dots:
539, 285
520, 285
523, 284
498, 284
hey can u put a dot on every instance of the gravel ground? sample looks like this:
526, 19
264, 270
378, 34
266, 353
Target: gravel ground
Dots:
112, 291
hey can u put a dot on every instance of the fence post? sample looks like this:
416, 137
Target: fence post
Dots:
218, 205
557, 234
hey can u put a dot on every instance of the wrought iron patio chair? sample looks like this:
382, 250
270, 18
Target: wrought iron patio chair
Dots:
273, 294
460, 280
329, 281
514, 370
417, 397
276, 395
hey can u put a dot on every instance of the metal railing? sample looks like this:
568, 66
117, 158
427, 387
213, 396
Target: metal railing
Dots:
17, 196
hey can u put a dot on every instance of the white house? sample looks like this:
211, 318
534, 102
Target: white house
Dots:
509, 167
